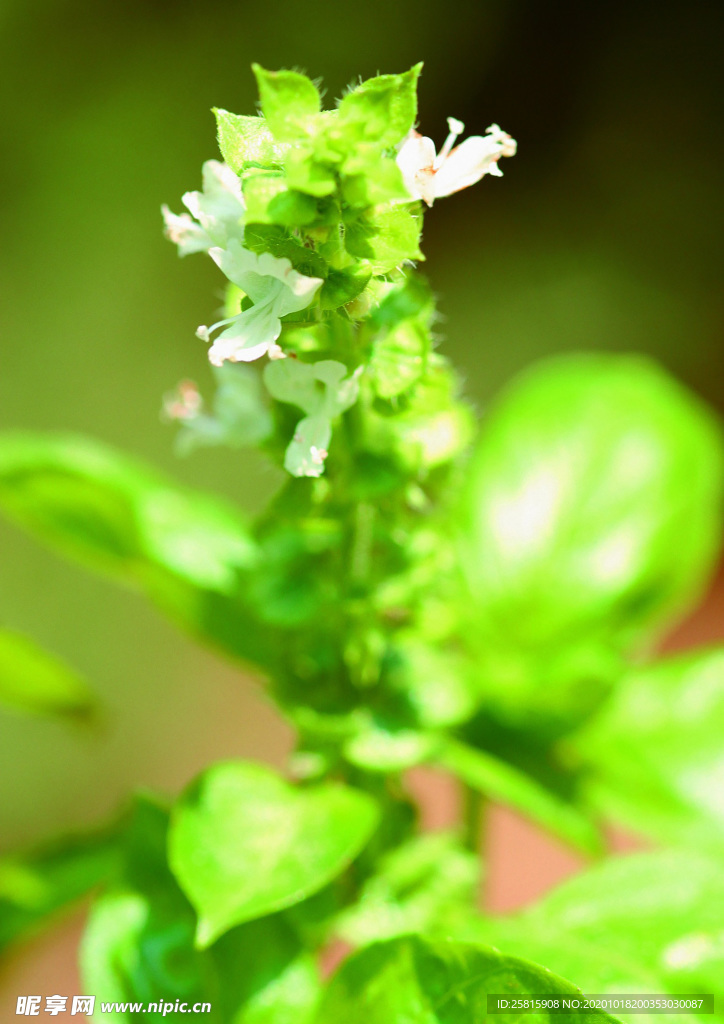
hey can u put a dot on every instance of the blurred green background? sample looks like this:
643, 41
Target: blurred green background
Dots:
606, 232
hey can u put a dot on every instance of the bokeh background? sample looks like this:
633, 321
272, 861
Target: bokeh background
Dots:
606, 233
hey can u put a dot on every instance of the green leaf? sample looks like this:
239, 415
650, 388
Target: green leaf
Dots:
502, 782
288, 101
643, 923
424, 885
420, 982
138, 944
593, 519
188, 550
655, 750
36, 886
264, 975
386, 236
382, 109
244, 843
103, 508
246, 142
36, 683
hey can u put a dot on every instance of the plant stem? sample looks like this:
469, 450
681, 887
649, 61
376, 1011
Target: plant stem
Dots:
473, 817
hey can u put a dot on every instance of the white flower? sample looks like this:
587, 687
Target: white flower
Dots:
274, 287
321, 390
429, 176
218, 209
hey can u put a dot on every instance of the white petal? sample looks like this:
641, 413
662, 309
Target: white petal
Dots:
184, 232
308, 448
248, 336
466, 164
261, 275
415, 159
219, 208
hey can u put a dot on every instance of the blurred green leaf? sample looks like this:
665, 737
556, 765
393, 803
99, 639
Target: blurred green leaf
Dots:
655, 750
594, 518
246, 142
420, 982
288, 101
424, 885
264, 975
36, 886
244, 843
382, 109
188, 550
37, 683
504, 783
642, 923
101, 507
138, 943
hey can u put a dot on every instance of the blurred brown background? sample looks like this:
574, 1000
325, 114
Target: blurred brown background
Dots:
606, 232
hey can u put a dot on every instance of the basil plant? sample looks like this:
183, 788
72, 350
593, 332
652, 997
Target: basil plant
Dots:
484, 598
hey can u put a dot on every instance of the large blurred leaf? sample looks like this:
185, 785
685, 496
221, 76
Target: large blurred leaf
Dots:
657, 750
644, 923
245, 843
187, 550
593, 518
36, 683
36, 886
506, 784
421, 982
